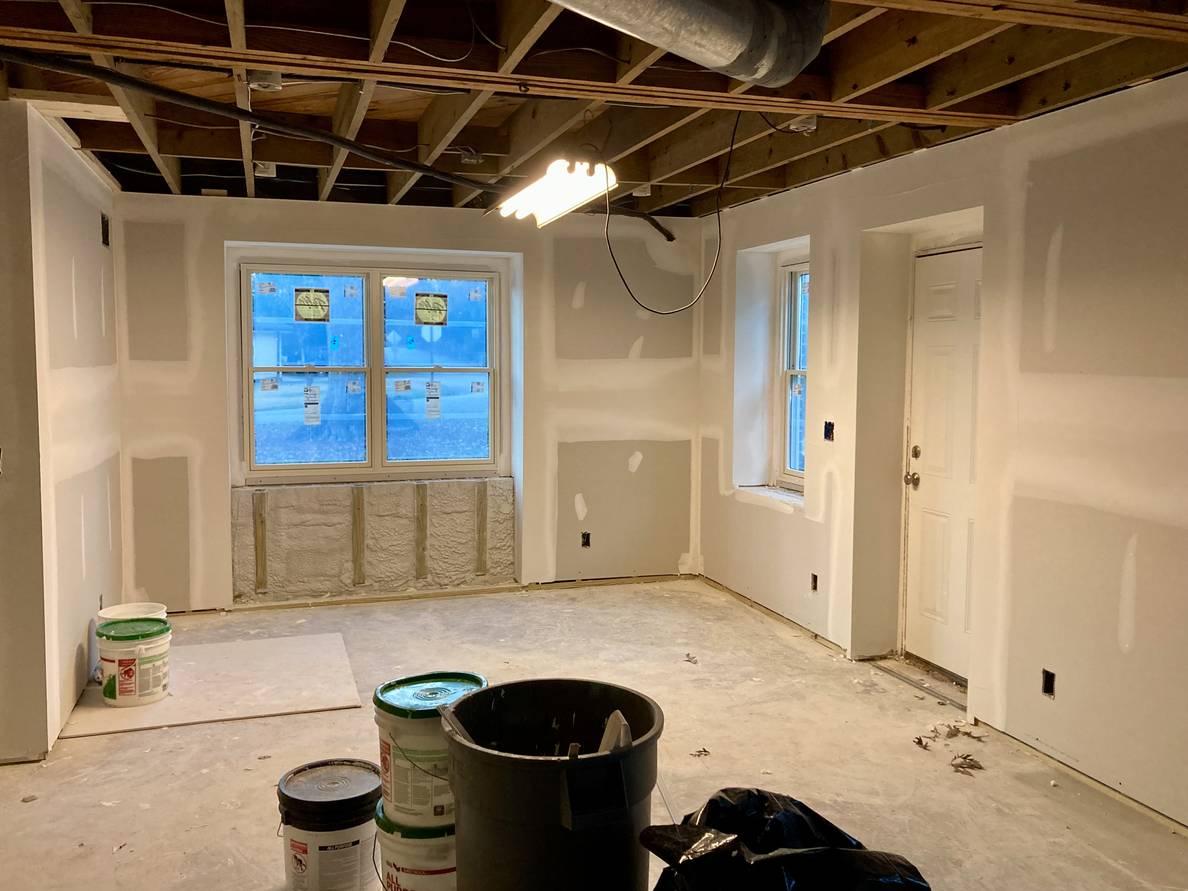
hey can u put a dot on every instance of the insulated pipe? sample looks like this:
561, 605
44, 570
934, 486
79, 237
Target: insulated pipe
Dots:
764, 42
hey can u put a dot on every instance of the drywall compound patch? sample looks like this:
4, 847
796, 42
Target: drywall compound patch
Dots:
1128, 595
596, 318
636, 349
634, 461
161, 529
1052, 289
156, 291
638, 522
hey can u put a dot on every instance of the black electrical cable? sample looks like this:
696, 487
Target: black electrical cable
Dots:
65, 65
717, 253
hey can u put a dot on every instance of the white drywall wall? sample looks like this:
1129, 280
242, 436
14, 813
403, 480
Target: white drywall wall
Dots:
1082, 461
78, 396
177, 402
24, 732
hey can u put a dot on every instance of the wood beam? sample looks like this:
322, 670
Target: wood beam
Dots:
844, 18
896, 45
536, 125
3, 82
354, 99
520, 25
528, 86
63, 129
138, 108
237, 32
1072, 14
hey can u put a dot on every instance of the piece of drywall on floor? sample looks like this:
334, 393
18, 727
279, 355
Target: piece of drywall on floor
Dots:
23, 698
884, 292
1072, 409
79, 395
191, 407
622, 508
161, 529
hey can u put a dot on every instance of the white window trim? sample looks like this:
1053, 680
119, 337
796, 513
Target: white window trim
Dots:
782, 475
378, 467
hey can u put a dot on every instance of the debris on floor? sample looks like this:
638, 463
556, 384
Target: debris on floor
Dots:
700, 753
689, 657
28, 798
1053, 784
953, 729
966, 763
921, 742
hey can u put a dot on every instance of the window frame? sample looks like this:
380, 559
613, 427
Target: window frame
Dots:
377, 467
788, 368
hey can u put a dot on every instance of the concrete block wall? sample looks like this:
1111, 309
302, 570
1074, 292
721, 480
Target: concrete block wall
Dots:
371, 538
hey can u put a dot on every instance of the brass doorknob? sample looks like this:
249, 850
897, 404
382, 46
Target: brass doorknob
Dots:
912, 479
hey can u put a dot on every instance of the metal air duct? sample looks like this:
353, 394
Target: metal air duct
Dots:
765, 42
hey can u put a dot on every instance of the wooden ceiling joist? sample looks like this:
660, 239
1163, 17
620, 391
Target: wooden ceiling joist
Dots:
354, 99
520, 25
138, 108
237, 33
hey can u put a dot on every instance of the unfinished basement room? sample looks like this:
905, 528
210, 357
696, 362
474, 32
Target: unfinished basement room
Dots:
594, 445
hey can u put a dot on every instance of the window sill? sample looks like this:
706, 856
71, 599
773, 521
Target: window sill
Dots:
772, 496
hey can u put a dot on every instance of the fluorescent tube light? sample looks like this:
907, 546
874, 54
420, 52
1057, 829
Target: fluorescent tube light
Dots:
563, 188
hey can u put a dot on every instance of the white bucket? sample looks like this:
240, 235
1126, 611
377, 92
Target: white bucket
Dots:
330, 861
327, 809
415, 858
134, 655
414, 761
120, 611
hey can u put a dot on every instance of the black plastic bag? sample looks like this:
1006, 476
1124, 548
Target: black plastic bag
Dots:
752, 840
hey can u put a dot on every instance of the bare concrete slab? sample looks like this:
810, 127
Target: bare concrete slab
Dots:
194, 808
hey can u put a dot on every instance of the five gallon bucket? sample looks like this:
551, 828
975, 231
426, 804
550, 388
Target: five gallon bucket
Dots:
415, 858
552, 787
134, 656
327, 812
120, 611
414, 761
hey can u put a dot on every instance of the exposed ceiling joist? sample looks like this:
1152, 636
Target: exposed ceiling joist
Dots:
520, 25
354, 99
138, 108
237, 33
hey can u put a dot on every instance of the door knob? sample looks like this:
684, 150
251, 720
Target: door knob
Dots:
912, 479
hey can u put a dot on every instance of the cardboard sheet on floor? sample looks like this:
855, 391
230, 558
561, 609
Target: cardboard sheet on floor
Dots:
228, 681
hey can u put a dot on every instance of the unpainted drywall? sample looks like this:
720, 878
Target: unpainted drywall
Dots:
596, 318
1082, 403
156, 292
23, 699
161, 529
632, 497
464, 530
884, 297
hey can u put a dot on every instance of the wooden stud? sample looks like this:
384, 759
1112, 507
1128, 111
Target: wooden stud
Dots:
480, 527
260, 529
421, 529
3, 82
237, 32
358, 534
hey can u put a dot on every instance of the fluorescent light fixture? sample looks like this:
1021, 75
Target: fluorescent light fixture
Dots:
563, 188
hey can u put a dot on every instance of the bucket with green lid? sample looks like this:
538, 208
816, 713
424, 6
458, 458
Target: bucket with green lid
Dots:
134, 657
415, 858
414, 762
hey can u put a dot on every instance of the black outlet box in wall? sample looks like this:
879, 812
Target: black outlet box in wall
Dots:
1048, 683
585, 539
829, 431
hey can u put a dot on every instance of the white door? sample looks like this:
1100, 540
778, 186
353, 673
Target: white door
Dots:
942, 444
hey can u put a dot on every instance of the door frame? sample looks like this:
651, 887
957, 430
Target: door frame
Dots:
905, 446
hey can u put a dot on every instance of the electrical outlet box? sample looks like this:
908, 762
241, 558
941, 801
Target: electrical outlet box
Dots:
1048, 683
585, 539
829, 431
813, 582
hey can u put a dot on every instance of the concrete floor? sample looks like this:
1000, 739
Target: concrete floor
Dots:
195, 807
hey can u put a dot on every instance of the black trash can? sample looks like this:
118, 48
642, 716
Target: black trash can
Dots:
534, 813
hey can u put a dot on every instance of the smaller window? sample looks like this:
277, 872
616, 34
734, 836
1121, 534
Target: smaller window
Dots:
793, 377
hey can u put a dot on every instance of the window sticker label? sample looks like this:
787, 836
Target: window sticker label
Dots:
269, 383
311, 304
266, 288
355, 387
351, 291
476, 295
430, 309
478, 386
433, 399
313, 406
401, 385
